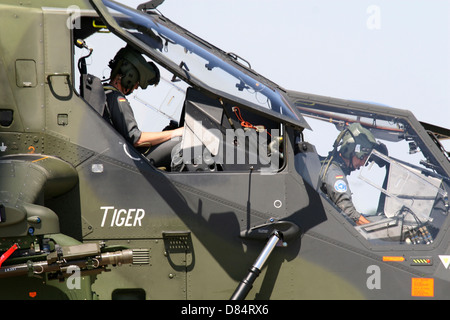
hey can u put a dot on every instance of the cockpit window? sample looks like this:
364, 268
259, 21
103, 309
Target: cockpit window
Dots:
412, 199
400, 188
195, 61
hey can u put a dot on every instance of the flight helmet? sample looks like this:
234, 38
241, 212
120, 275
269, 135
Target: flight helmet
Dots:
134, 68
357, 141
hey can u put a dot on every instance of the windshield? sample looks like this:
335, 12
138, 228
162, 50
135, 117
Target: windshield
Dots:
195, 61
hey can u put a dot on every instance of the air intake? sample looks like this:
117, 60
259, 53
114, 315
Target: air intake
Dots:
141, 256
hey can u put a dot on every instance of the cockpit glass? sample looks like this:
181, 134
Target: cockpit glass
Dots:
401, 188
192, 59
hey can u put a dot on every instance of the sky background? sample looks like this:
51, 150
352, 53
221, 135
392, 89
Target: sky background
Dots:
392, 52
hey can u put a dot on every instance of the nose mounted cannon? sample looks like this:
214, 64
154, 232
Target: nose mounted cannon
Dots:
87, 257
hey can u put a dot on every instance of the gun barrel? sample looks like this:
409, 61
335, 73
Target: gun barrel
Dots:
88, 262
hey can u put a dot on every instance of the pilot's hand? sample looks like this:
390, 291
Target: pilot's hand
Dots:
362, 220
177, 132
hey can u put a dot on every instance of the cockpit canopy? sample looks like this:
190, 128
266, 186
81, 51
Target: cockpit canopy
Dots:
403, 191
197, 62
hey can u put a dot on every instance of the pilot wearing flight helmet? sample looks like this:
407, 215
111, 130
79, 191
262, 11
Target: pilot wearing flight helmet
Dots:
351, 150
129, 70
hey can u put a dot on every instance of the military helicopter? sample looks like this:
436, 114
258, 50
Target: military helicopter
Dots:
239, 213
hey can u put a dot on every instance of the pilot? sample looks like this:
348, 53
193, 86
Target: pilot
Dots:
351, 150
129, 70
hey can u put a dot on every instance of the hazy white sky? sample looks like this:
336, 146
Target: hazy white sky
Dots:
393, 52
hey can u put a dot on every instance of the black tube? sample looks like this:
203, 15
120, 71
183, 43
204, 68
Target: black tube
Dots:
246, 284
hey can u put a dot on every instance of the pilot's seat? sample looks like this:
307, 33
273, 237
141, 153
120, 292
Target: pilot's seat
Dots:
92, 91
308, 164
